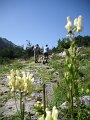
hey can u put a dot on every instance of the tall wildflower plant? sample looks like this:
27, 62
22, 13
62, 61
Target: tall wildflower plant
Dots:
49, 115
72, 67
21, 84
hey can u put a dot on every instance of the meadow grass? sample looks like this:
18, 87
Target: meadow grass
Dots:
84, 76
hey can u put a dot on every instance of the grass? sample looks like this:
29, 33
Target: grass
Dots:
58, 64
45, 75
13, 117
14, 64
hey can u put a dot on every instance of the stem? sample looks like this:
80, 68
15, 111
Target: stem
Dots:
44, 101
16, 104
71, 103
21, 106
29, 116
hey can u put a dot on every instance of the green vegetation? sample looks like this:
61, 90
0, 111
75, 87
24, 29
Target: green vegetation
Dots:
14, 64
80, 41
84, 74
13, 117
56, 67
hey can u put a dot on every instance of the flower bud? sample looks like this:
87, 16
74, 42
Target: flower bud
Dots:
87, 91
69, 66
79, 24
68, 26
82, 90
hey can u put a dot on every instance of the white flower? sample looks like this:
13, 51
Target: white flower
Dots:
41, 118
53, 110
82, 90
79, 24
75, 24
68, 26
55, 113
12, 90
48, 115
87, 91
17, 72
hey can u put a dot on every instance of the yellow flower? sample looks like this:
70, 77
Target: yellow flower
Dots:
41, 118
68, 26
75, 24
12, 90
55, 116
48, 115
17, 72
20, 80
79, 24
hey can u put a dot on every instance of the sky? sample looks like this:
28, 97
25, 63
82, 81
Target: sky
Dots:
41, 21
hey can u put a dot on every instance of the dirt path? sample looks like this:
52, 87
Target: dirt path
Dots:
7, 103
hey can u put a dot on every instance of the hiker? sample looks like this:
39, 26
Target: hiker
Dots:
36, 53
45, 51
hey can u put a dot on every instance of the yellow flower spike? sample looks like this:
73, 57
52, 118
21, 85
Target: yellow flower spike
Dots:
27, 75
53, 110
48, 115
16, 83
25, 87
75, 22
17, 72
55, 113
9, 77
12, 90
41, 105
30, 76
75, 25
68, 26
41, 118
12, 71
32, 80
10, 83
23, 72
38, 102
79, 24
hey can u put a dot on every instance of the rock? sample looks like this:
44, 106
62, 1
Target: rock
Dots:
36, 96
54, 81
64, 106
56, 73
4, 89
85, 100
32, 96
1, 93
28, 99
9, 108
62, 54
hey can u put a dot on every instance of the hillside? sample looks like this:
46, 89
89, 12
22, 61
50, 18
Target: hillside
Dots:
4, 43
52, 74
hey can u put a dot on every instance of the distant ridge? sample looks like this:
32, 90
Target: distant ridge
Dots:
4, 43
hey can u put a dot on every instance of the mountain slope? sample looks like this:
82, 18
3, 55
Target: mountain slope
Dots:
5, 43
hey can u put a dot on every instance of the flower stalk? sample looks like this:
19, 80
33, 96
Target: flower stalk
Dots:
21, 83
71, 75
44, 100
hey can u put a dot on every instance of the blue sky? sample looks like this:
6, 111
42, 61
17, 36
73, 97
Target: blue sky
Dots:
40, 21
